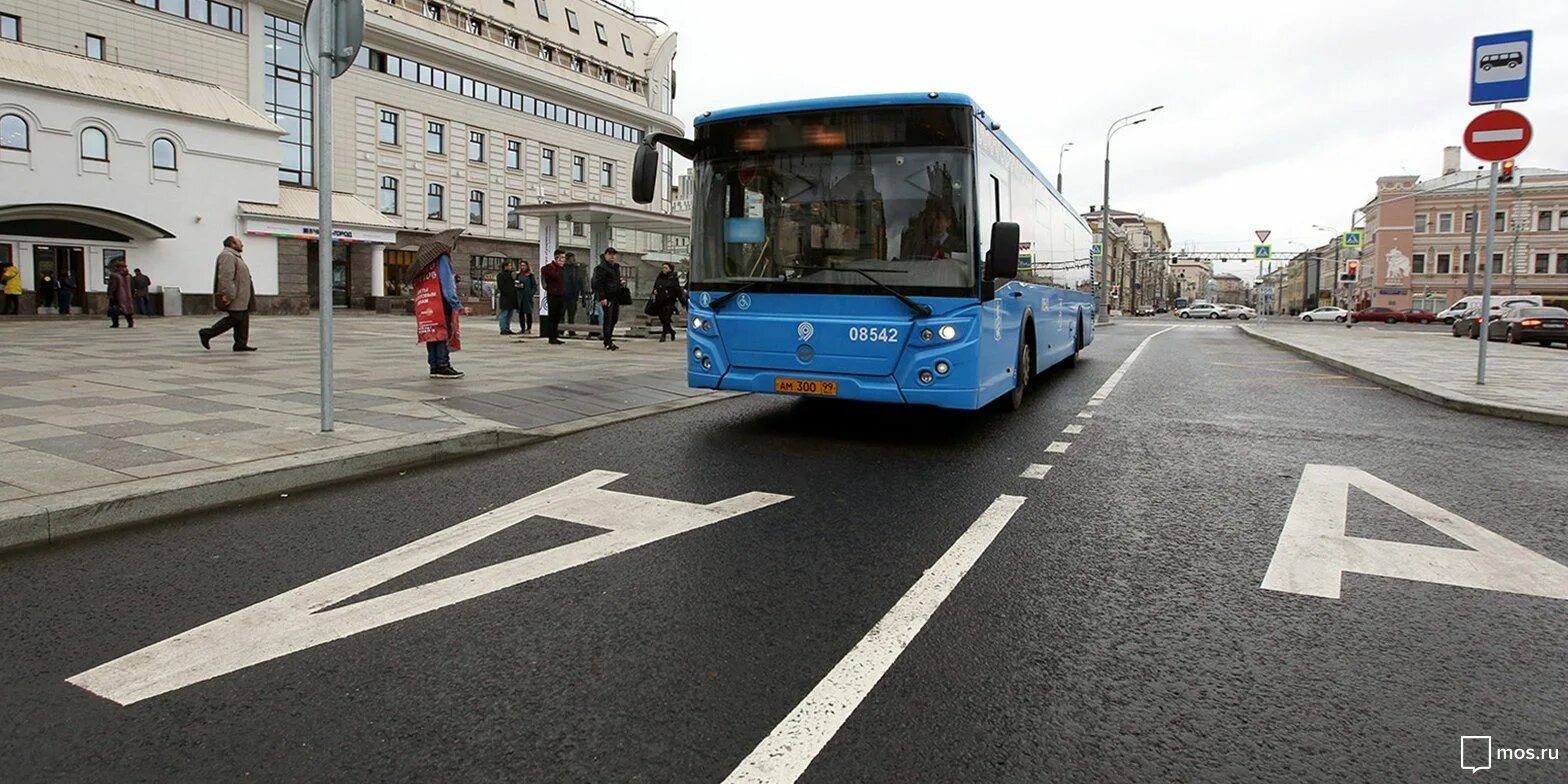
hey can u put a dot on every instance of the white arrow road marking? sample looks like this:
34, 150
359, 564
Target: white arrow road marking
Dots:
796, 741
296, 620
1313, 550
1058, 447
1105, 389
1035, 471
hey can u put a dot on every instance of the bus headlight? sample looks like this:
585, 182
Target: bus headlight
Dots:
926, 377
707, 364
948, 332
926, 334
942, 367
699, 323
696, 353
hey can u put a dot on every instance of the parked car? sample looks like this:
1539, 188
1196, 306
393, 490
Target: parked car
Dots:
1538, 325
1502, 302
1204, 310
1386, 315
1464, 325
1240, 312
1326, 313
1417, 316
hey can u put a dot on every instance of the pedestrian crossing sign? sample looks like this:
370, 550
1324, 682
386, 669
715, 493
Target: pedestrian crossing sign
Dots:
1262, 251
1352, 239
1094, 251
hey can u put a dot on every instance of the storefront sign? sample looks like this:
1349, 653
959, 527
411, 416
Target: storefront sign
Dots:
298, 231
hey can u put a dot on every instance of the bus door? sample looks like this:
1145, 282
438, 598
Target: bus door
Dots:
1000, 318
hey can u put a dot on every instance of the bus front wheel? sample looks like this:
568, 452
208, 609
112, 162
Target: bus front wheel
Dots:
1024, 370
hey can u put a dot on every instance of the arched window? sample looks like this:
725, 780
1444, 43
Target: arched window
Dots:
163, 155
95, 145
13, 132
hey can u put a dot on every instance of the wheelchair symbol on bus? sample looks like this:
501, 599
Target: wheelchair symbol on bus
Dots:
743, 302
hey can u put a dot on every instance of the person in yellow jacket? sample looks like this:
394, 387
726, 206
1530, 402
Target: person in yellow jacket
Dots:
11, 278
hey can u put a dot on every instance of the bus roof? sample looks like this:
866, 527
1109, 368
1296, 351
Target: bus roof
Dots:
876, 100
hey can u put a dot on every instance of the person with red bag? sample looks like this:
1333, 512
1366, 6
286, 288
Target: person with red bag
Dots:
436, 303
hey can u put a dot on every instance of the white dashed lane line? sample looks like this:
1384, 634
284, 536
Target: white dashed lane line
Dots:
1058, 447
1074, 429
1035, 471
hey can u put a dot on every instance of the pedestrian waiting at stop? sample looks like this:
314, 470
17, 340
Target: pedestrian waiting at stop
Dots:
505, 297
527, 291
553, 303
667, 293
436, 303
141, 288
611, 292
120, 301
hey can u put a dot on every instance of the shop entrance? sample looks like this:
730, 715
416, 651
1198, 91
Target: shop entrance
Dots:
340, 274
50, 261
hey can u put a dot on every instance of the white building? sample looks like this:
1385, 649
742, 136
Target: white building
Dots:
456, 114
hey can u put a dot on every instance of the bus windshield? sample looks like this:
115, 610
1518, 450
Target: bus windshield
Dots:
802, 220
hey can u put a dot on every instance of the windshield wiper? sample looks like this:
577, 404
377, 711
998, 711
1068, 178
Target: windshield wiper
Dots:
920, 309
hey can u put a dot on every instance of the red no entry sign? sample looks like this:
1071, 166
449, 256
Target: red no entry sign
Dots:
1497, 135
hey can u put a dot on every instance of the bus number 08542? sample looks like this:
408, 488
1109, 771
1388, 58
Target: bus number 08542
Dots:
873, 334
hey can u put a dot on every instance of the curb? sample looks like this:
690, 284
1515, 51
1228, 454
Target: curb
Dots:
1467, 405
51, 518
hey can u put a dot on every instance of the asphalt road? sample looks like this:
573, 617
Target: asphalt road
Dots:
1115, 629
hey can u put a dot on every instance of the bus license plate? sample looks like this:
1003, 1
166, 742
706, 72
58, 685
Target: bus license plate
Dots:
802, 386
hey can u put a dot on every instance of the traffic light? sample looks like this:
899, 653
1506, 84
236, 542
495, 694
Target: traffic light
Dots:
1352, 271
1507, 173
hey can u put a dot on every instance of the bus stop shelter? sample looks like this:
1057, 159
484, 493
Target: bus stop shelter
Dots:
601, 220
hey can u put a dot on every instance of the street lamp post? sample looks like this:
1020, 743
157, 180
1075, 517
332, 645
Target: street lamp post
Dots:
1105, 209
1059, 154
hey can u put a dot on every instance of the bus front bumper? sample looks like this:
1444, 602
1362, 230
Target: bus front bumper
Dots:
874, 389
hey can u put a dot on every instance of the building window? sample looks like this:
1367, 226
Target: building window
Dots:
607, 75
578, 64
163, 155
1421, 223
287, 91
513, 220
387, 195
571, 21
1543, 220
1543, 262
95, 46
606, 175
546, 53
579, 229
1562, 264
10, 27
434, 11
95, 145
1562, 221
476, 207
514, 41
476, 146
1499, 221
1469, 222
1443, 262
514, 154
476, 26
1445, 223
1469, 262
598, 29
579, 166
386, 131
626, 44
1497, 262
435, 138
14, 133
542, 10
1417, 263
435, 202
547, 162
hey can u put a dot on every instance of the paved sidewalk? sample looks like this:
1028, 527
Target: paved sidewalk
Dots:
93, 414
1523, 382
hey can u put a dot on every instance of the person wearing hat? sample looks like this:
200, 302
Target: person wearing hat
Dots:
607, 285
436, 303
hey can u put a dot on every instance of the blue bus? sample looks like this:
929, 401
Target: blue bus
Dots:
894, 248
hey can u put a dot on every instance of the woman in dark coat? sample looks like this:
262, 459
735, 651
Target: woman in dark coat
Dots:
527, 291
667, 292
120, 302
505, 296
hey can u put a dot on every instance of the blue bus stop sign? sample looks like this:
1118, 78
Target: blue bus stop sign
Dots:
1500, 67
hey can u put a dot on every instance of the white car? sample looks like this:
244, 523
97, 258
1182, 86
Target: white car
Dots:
1326, 314
1240, 312
1203, 310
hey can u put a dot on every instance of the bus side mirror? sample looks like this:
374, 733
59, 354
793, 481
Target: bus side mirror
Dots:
1002, 259
645, 171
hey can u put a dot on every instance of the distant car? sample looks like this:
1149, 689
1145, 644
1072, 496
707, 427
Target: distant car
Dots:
1468, 326
1537, 325
1417, 316
1204, 310
1240, 312
1385, 315
1327, 313
1468, 305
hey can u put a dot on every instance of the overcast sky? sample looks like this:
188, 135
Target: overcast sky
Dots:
1277, 116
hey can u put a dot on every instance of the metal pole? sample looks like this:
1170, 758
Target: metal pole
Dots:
1485, 323
323, 84
1059, 153
1105, 238
1475, 227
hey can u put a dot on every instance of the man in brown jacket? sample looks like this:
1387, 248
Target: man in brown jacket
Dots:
231, 293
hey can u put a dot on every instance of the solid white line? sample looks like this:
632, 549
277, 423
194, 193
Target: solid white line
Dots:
787, 751
1503, 135
1074, 429
1035, 471
1058, 446
1116, 378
